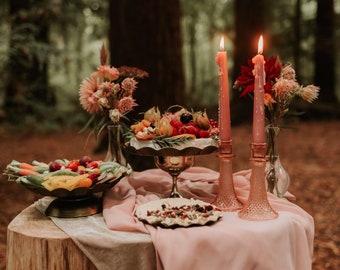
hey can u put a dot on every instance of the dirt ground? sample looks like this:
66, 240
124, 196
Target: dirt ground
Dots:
310, 153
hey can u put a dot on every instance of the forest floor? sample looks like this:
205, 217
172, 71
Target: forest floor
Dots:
310, 153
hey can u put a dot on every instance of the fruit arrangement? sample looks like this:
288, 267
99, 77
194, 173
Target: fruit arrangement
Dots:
180, 123
65, 174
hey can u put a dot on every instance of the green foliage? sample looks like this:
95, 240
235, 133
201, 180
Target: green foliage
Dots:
76, 33
203, 24
170, 141
47, 119
79, 27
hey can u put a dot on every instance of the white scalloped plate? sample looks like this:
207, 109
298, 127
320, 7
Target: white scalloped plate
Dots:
201, 146
174, 212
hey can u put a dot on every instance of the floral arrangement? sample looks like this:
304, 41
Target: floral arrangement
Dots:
107, 93
281, 87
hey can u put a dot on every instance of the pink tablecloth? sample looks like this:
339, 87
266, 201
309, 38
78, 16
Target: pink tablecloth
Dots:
231, 243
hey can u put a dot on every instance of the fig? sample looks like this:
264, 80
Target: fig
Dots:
54, 166
92, 164
186, 117
85, 160
202, 120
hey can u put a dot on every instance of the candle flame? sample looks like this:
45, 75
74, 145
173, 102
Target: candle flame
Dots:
222, 44
260, 45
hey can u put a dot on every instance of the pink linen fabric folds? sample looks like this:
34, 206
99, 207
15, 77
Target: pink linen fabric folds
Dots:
231, 243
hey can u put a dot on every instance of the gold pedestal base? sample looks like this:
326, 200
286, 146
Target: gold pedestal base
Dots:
76, 207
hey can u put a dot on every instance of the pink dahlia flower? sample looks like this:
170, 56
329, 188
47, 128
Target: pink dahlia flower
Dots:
129, 85
126, 104
107, 72
87, 95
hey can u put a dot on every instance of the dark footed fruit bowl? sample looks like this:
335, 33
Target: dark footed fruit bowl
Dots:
79, 202
69, 197
78, 192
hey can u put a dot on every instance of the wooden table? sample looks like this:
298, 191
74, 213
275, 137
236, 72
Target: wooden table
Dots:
35, 242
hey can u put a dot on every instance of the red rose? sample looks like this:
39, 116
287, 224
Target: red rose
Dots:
245, 80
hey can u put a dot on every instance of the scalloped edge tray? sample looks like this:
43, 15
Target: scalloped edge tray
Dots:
169, 222
167, 151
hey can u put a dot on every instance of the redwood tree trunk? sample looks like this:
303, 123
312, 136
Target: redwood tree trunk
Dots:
297, 38
250, 22
324, 54
147, 34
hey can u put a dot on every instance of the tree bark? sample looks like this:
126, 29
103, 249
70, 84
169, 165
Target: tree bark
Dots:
297, 38
250, 22
192, 52
324, 54
147, 34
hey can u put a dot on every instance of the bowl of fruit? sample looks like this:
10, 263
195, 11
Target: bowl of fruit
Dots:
76, 184
177, 132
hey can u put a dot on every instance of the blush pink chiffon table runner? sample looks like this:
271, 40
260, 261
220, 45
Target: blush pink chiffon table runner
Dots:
231, 243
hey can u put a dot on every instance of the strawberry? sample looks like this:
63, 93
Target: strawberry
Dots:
191, 123
73, 165
190, 130
92, 164
204, 134
174, 132
176, 123
197, 131
213, 123
93, 176
182, 130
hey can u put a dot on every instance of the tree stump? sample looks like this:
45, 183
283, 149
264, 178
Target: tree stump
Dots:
35, 242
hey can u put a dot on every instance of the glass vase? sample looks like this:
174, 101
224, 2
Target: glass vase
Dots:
114, 150
277, 178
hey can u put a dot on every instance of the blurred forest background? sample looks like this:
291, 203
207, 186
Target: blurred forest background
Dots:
48, 47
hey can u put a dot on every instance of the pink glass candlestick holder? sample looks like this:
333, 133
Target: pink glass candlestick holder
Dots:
257, 207
226, 199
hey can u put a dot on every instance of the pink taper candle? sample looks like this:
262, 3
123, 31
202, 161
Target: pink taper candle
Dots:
224, 107
258, 111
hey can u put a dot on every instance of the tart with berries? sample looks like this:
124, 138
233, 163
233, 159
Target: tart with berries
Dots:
174, 212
